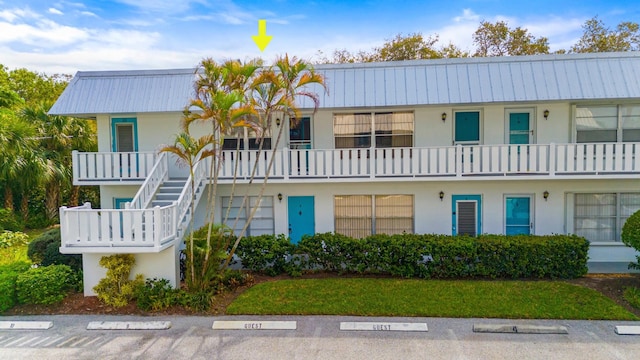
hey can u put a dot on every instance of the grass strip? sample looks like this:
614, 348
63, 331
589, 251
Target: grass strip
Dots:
430, 298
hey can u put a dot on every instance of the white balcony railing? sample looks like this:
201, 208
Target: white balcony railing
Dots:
447, 161
117, 229
94, 167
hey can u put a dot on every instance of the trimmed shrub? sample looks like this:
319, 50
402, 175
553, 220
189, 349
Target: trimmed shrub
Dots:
10, 238
45, 250
631, 236
116, 289
266, 253
156, 294
9, 221
8, 277
45, 284
443, 256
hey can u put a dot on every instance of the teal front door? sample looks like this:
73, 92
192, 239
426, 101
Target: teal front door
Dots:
519, 128
518, 215
301, 217
466, 215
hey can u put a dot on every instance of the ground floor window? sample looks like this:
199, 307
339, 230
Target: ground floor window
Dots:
600, 217
262, 222
359, 216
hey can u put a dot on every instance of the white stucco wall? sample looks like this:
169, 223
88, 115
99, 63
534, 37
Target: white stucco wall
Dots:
164, 264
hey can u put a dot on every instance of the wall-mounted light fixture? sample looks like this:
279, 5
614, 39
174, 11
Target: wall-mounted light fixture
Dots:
444, 117
545, 195
280, 197
278, 122
546, 114
441, 195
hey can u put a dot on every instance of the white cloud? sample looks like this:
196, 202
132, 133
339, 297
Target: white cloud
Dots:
88, 13
13, 14
43, 33
161, 5
55, 11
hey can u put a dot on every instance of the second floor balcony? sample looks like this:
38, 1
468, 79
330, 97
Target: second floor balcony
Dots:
469, 162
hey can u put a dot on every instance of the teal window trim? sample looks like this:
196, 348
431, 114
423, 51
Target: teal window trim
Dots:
118, 203
114, 124
478, 200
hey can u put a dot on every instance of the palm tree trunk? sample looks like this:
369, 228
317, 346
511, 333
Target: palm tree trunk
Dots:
8, 197
74, 196
24, 207
51, 202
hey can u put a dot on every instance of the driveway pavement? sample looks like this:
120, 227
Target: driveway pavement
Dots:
316, 337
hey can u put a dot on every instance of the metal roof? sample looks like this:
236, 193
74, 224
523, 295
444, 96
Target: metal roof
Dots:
464, 81
117, 92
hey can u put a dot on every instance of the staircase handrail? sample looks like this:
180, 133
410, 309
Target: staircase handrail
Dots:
184, 200
156, 176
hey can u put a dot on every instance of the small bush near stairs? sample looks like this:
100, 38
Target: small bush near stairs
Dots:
116, 289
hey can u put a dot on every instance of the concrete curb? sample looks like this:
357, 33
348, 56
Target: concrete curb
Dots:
519, 329
26, 325
254, 325
382, 326
129, 325
627, 330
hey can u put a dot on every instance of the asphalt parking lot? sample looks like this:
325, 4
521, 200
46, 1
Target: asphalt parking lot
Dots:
315, 337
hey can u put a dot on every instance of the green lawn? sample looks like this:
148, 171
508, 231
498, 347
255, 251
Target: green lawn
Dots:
431, 298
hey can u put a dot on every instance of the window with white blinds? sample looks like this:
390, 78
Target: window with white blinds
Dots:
384, 130
610, 123
600, 217
262, 222
359, 216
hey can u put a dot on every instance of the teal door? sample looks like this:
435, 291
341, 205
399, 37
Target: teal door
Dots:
466, 215
518, 215
467, 127
519, 128
301, 217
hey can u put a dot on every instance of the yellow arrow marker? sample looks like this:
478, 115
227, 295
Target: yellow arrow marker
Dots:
262, 39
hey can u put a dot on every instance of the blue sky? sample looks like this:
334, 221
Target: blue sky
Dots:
67, 36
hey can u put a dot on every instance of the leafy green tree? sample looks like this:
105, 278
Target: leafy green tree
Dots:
35, 88
597, 37
500, 40
411, 47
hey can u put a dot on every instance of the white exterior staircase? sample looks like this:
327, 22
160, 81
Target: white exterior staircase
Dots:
157, 217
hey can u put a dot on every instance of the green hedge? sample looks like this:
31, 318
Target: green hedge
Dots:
422, 256
45, 250
45, 284
8, 277
269, 254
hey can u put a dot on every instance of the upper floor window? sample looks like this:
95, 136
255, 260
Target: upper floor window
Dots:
610, 123
384, 130
246, 136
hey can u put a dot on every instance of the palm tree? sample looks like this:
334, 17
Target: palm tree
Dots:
190, 152
221, 101
16, 144
58, 136
275, 91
